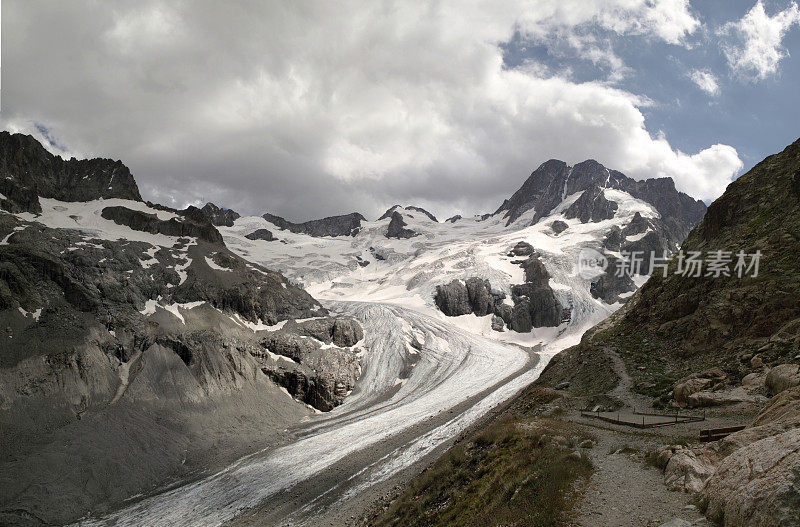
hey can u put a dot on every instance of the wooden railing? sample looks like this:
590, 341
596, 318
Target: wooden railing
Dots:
715, 434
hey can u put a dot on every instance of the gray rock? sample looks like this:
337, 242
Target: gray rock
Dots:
453, 299
27, 170
559, 226
498, 324
613, 240
610, 285
218, 216
321, 378
391, 210
344, 225
453, 219
637, 225
193, 223
591, 206
397, 228
676, 522
782, 377
261, 234
546, 186
521, 249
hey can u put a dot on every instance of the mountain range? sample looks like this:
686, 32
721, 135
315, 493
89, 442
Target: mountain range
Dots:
160, 334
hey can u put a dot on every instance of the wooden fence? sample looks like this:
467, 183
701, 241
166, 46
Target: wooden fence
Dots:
715, 434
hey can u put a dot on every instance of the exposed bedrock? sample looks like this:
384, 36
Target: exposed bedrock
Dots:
559, 226
592, 206
28, 170
397, 228
193, 223
261, 234
219, 216
534, 302
612, 284
342, 225
320, 377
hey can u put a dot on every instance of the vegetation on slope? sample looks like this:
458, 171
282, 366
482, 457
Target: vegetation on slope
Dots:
522, 470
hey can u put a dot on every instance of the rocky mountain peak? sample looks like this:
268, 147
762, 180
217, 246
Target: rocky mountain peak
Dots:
554, 180
399, 209
220, 216
28, 170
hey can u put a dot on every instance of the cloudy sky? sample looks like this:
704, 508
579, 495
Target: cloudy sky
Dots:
312, 108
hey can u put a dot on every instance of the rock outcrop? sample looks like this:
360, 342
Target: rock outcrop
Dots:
261, 234
397, 227
396, 208
592, 206
191, 223
220, 217
317, 376
534, 302
559, 226
612, 285
343, 225
28, 170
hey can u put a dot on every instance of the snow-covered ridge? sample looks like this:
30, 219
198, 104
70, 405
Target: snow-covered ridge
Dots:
369, 267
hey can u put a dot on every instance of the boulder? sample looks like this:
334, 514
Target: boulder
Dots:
695, 383
704, 399
758, 485
687, 470
559, 226
683, 390
497, 323
782, 377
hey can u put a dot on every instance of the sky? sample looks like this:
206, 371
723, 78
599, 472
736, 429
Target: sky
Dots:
312, 108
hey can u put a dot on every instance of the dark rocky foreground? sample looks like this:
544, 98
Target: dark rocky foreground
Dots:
126, 365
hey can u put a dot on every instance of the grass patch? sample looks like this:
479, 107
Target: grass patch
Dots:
510, 473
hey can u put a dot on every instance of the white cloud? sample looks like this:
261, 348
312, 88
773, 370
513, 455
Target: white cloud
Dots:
755, 48
705, 80
307, 112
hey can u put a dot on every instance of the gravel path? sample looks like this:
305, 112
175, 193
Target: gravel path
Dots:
624, 492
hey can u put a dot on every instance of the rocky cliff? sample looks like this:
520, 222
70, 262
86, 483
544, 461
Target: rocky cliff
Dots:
28, 171
131, 333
